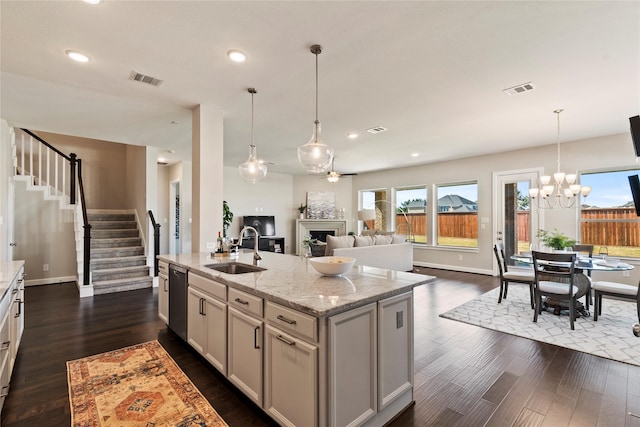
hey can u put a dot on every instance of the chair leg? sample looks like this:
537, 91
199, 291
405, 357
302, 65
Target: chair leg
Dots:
587, 298
572, 312
538, 300
531, 295
506, 288
597, 305
501, 291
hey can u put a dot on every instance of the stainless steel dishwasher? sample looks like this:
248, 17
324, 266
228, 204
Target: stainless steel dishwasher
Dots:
178, 300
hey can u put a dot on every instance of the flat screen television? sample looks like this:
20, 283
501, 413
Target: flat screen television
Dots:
266, 225
634, 122
634, 182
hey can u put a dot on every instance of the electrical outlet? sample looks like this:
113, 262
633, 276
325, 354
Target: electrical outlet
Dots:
45, 267
459, 257
625, 273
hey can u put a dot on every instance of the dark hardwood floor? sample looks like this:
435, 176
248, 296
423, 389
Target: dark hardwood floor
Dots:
464, 375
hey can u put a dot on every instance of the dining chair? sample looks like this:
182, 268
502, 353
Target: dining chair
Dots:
588, 250
614, 289
555, 278
506, 276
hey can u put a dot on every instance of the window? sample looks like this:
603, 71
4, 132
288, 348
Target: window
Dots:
411, 212
458, 215
376, 201
607, 217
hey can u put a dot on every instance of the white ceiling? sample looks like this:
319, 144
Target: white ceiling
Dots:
431, 72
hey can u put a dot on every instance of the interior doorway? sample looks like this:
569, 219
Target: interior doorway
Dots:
516, 222
174, 218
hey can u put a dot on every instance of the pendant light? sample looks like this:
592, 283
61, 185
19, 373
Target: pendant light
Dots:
315, 155
252, 170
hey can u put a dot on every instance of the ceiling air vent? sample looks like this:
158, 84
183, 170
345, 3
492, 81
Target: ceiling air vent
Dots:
377, 129
524, 87
143, 78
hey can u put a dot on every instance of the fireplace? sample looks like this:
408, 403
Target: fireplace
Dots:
304, 227
321, 235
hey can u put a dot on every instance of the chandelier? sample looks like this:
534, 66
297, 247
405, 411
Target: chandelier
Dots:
564, 191
253, 170
315, 155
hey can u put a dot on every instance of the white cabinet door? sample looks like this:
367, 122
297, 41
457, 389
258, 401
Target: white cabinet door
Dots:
163, 298
215, 320
195, 320
17, 316
291, 380
352, 367
395, 348
244, 352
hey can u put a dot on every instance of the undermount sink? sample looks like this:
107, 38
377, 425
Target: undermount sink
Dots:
235, 268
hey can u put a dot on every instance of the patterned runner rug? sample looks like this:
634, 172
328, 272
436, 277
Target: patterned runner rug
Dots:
139, 385
610, 337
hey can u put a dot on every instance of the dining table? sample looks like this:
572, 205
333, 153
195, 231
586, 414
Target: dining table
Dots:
583, 264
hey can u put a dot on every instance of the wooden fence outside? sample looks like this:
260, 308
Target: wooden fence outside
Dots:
607, 233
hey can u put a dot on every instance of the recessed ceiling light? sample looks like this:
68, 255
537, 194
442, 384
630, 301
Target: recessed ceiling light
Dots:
77, 56
352, 135
236, 55
415, 154
92, 1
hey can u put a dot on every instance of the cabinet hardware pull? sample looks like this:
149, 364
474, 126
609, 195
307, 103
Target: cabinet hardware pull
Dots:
5, 391
165, 284
19, 313
285, 320
202, 304
241, 301
286, 341
255, 337
5, 345
14, 291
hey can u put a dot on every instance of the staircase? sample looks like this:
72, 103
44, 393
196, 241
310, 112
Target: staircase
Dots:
118, 262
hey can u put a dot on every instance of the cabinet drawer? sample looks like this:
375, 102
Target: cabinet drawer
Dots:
247, 302
215, 289
285, 318
163, 268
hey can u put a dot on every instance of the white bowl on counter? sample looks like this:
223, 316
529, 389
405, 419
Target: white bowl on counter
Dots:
332, 265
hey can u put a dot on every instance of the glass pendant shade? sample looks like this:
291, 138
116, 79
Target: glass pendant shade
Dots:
315, 155
252, 170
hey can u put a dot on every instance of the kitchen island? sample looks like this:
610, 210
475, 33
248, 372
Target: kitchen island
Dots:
310, 350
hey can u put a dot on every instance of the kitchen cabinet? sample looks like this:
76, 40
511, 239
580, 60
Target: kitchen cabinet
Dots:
207, 327
11, 321
291, 380
395, 348
245, 352
163, 291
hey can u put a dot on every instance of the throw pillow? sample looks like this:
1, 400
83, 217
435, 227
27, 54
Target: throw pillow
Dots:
363, 241
380, 239
398, 238
334, 242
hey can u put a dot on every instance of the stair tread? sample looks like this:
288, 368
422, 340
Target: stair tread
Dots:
121, 269
120, 258
122, 281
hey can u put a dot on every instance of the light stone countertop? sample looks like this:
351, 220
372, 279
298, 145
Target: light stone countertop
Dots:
291, 281
8, 271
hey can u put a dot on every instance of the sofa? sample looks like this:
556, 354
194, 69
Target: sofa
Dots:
388, 251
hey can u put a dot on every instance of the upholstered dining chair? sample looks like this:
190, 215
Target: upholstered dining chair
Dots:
618, 290
506, 276
555, 278
587, 250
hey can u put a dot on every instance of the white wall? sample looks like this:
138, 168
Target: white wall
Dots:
271, 196
5, 177
595, 154
302, 184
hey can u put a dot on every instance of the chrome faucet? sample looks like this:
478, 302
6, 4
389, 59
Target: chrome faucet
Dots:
256, 255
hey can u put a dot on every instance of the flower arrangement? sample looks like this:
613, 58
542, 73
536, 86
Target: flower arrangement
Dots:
308, 241
555, 239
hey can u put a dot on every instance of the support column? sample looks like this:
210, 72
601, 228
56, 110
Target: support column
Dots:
207, 156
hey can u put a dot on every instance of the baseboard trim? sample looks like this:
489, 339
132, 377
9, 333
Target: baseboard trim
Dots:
50, 280
454, 268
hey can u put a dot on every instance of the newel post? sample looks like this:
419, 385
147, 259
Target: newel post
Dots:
72, 178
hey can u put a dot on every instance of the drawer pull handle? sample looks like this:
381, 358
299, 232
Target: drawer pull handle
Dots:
14, 291
286, 341
5, 391
255, 337
241, 301
5, 345
285, 320
19, 313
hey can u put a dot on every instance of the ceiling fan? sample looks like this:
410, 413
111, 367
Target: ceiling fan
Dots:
333, 176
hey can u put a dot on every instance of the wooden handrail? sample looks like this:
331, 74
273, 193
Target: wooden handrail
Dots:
156, 243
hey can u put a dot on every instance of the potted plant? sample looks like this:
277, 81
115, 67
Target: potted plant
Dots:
301, 210
227, 218
555, 239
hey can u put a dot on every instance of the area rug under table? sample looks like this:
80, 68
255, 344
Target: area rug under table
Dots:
610, 337
139, 385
